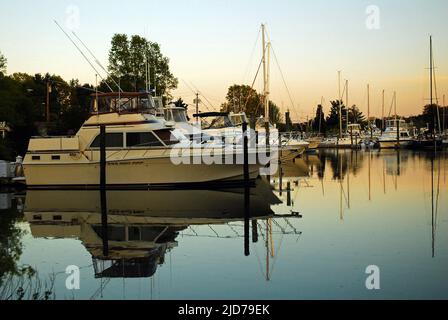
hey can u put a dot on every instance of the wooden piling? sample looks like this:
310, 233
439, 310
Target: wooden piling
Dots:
288, 194
246, 190
254, 231
103, 195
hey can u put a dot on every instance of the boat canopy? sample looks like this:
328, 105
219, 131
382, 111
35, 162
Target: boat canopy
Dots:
124, 102
211, 114
217, 120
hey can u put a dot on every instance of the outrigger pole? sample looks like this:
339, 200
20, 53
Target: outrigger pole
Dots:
85, 57
97, 61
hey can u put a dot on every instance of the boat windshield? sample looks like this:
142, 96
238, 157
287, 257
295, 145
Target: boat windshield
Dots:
218, 122
176, 115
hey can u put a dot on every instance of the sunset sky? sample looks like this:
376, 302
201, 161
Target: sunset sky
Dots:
212, 45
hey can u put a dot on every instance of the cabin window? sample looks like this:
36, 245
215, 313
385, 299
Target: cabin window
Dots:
55, 157
114, 233
35, 157
141, 139
166, 136
134, 233
37, 217
57, 217
113, 140
179, 116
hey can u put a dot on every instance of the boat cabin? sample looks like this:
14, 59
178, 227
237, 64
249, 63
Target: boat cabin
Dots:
392, 124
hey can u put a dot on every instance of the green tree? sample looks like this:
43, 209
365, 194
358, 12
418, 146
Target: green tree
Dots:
319, 124
77, 110
243, 98
3, 63
181, 104
275, 117
356, 116
128, 59
332, 121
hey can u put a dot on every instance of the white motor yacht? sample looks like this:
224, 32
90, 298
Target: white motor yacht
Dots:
141, 150
389, 138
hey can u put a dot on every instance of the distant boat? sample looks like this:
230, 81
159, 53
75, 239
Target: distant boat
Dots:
389, 139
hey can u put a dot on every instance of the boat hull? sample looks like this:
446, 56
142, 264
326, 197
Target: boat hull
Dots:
157, 172
426, 144
392, 144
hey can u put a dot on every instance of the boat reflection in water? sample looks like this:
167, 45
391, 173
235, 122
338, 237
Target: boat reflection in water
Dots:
141, 226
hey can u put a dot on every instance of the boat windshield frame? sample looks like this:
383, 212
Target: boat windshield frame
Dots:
176, 114
123, 103
221, 120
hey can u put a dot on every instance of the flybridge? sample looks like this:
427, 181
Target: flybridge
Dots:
126, 102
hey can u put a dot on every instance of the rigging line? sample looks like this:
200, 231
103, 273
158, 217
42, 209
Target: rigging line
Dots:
85, 57
194, 92
435, 91
246, 73
390, 109
211, 104
275, 259
97, 61
284, 82
252, 88
254, 249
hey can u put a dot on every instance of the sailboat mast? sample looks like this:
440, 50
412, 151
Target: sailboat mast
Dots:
340, 104
443, 114
430, 85
268, 79
368, 112
265, 49
395, 106
382, 112
346, 92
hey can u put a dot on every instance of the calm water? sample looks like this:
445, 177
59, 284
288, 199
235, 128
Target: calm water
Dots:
345, 211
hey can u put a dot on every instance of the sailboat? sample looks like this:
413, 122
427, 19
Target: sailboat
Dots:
429, 140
